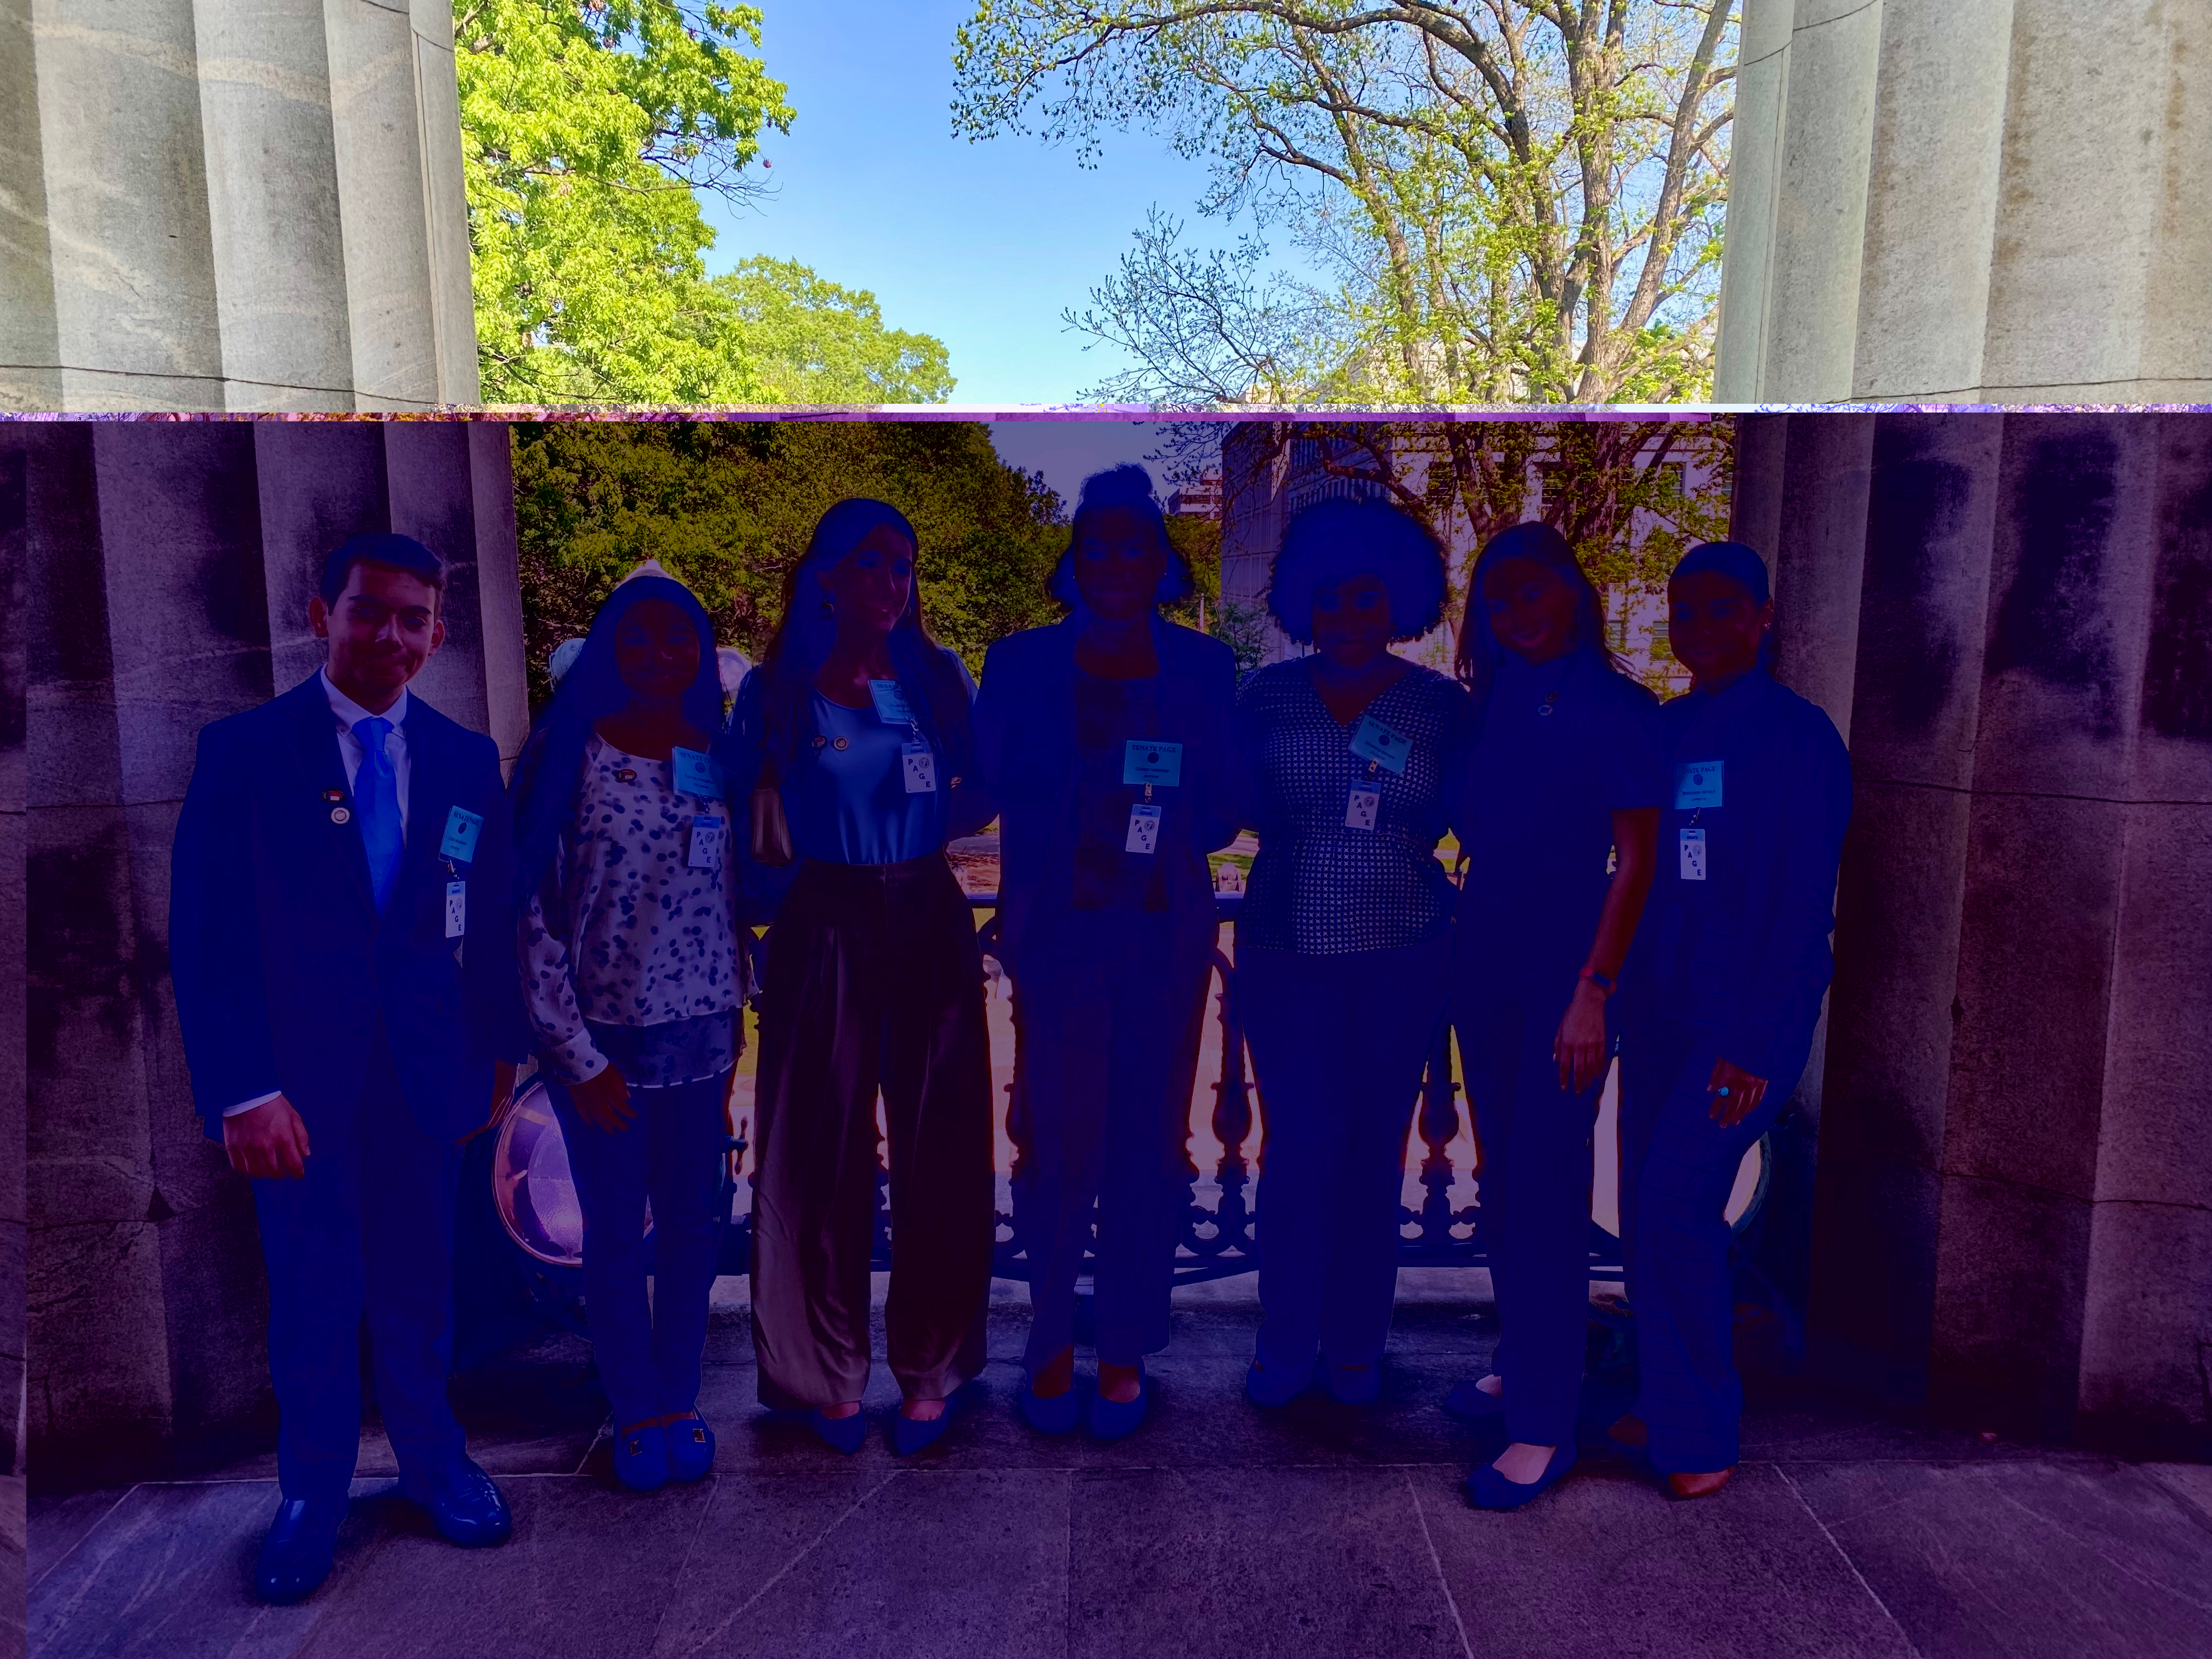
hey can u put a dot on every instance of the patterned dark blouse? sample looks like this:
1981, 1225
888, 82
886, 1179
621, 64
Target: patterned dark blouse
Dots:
1320, 887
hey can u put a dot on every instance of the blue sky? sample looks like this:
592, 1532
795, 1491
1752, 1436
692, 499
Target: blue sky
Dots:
1068, 452
982, 245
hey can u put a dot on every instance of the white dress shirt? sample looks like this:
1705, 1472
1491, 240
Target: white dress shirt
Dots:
346, 712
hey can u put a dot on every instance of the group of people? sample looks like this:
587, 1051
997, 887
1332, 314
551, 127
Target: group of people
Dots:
368, 933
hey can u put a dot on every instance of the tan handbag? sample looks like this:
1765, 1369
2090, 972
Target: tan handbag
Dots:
771, 830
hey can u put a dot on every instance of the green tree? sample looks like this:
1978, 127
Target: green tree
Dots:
590, 129
727, 507
1507, 199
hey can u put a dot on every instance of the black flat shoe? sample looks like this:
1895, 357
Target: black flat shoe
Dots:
466, 1508
297, 1552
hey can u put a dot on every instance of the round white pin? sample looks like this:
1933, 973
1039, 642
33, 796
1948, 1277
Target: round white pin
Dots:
339, 815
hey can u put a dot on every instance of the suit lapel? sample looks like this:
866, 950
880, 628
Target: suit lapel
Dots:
433, 790
321, 773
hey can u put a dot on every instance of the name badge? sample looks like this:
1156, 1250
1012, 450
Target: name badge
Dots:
891, 706
1693, 853
1144, 835
457, 909
462, 827
706, 852
1362, 806
1152, 762
1376, 742
920, 768
697, 773
1697, 783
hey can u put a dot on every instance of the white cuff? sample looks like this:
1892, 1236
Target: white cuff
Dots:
248, 1105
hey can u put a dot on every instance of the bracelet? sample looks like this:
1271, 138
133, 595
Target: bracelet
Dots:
1603, 982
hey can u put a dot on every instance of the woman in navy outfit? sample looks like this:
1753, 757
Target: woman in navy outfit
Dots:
1736, 952
856, 728
1343, 941
1563, 782
1104, 741
634, 975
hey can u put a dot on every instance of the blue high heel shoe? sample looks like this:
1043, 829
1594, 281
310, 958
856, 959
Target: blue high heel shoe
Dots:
642, 1458
1049, 1413
840, 1434
1111, 1420
1472, 1405
1489, 1490
690, 1448
1274, 1388
1355, 1385
910, 1435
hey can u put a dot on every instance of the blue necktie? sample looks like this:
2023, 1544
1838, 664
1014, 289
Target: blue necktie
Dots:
376, 799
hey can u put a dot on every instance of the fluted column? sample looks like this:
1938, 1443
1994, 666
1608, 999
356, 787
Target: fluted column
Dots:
1970, 200
231, 204
169, 568
2014, 1216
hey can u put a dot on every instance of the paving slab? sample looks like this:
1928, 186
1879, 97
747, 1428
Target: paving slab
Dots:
587, 1575
56, 1523
2021, 1560
1257, 1562
919, 1564
1604, 1564
166, 1573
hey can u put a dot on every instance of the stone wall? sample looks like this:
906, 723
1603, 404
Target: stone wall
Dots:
169, 568
240, 204
2011, 619
1995, 201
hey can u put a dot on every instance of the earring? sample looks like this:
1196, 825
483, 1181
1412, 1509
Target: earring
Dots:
829, 609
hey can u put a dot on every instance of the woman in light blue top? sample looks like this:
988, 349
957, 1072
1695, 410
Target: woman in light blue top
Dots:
856, 726
1104, 740
634, 975
1343, 940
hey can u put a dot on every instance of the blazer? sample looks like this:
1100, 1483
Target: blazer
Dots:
285, 973
1025, 755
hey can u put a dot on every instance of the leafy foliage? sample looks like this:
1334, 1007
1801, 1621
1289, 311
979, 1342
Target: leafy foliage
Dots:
1511, 199
589, 129
727, 506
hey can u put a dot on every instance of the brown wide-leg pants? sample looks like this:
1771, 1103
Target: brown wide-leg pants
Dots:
873, 981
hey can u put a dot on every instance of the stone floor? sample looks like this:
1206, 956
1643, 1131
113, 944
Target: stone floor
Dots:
1218, 1529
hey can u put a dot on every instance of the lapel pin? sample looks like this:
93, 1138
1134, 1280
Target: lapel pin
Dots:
625, 774
333, 795
339, 815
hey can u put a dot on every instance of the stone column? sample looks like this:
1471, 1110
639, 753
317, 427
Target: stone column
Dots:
1995, 201
169, 570
14, 634
2013, 1218
240, 204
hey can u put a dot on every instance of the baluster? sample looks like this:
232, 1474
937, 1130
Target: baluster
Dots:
1439, 1123
1232, 1120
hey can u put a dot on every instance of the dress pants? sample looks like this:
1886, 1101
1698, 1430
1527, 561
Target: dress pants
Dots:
368, 1229
873, 981
1104, 1022
1339, 1044
1677, 1166
1535, 1185
671, 1151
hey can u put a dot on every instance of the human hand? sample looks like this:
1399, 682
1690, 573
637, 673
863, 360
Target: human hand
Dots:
1578, 1046
269, 1143
1735, 1093
502, 1099
603, 1102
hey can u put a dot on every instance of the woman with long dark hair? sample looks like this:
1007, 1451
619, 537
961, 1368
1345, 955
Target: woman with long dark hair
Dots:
1732, 966
1105, 740
1557, 813
634, 975
1343, 940
853, 742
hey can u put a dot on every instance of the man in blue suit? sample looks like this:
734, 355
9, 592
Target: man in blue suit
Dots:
341, 943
